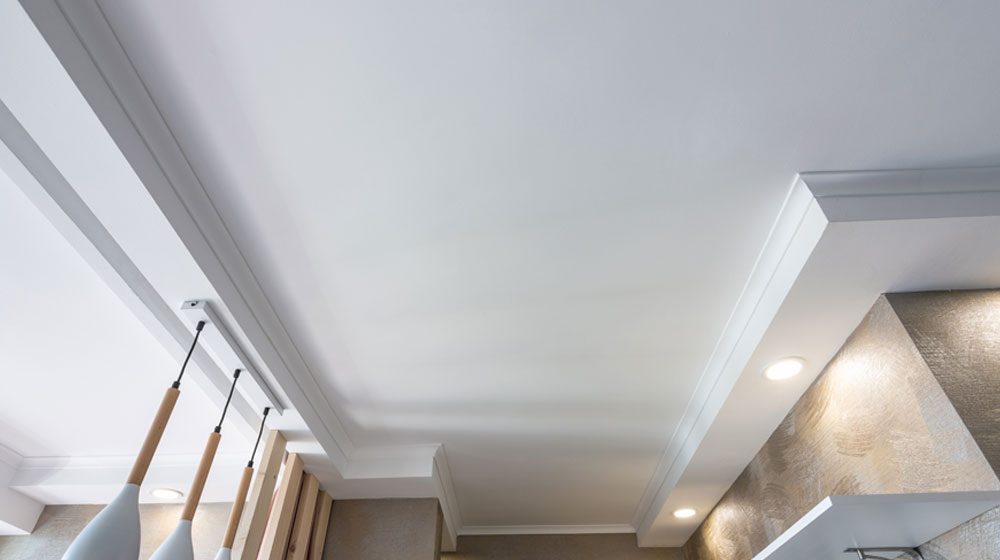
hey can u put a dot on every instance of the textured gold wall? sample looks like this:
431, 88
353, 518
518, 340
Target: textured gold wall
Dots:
958, 336
558, 547
875, 421
59, 525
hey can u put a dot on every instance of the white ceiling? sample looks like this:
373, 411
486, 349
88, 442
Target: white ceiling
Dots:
519, 228
75, 360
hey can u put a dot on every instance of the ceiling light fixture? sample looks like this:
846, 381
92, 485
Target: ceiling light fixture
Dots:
226, 551
684, 513
166, 493
785, 368
178, 545
113, 534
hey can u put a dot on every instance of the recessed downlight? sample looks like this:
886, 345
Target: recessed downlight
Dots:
785, 368
684, 513
166, 493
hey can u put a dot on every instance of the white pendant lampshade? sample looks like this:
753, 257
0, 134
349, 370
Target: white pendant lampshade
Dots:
178, 545
114, 533
240, 501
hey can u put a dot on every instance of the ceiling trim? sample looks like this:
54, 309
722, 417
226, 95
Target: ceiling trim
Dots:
97, 479
841, 239
10, 457
789, 244
610, 529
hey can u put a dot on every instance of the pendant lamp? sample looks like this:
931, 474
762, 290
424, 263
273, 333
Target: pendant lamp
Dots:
114, 533
225, 553
177, 545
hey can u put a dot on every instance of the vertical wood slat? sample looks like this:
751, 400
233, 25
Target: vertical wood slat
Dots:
320, 526
251, 532
279, 526
298, 547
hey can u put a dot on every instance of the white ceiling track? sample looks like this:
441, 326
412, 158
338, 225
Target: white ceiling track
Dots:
229, 353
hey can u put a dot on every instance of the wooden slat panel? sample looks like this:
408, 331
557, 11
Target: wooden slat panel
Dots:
298, 547
279, 526
251, 532
320, 525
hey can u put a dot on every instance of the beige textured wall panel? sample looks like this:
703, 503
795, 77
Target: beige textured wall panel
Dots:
958, 335
557, 547
875, 421
59, 525
978, 539
396, 529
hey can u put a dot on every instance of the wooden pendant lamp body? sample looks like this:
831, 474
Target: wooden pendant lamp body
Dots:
115, 532
178, 545
226, 551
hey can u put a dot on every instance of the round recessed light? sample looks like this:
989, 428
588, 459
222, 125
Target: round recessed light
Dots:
684, 513
784, 368
166, 493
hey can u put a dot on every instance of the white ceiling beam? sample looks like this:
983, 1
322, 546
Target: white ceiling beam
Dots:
841, 240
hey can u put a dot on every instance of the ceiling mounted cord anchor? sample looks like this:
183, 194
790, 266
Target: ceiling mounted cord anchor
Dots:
864, 553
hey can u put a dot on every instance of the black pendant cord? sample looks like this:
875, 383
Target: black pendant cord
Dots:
236, 377
197, 333
259, 433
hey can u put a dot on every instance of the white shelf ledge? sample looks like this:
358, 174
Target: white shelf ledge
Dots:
905, 520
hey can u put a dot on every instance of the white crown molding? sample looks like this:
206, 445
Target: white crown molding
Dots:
840, 240
96, 479
546, 529
10, 457
49, 465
